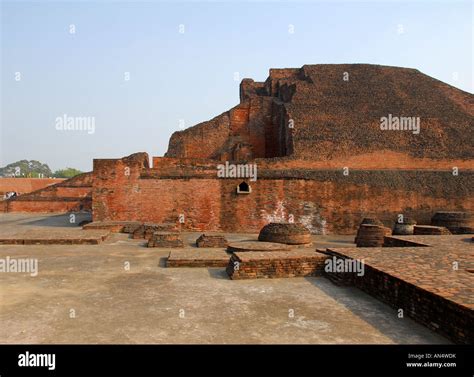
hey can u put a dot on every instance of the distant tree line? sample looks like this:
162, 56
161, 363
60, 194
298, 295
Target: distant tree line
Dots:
35, 169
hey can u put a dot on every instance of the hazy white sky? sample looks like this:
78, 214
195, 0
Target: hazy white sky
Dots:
189, 76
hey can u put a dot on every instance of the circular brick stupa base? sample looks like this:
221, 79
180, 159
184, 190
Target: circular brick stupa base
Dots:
371, 235
404, 228
371, 221
256, 246
287, 233
456, 222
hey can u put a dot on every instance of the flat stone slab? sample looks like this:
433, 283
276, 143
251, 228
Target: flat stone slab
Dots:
198, 258
278, 264
256, 246
55, 237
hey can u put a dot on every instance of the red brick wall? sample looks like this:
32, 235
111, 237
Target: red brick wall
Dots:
58, 205
69, 195
25, 185
324, 200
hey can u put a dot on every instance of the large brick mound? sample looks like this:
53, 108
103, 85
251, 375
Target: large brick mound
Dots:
332, 117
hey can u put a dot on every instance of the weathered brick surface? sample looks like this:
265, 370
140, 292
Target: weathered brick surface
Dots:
26, 185
146, 230
371, 235
251, 246
131, 226
457, 222
198, 258
211, 240
165, 239
324, 201
113, 226
55, 237
333, 118
278, 264
430, 230
405, 227
287, 233
72, 194
421, 281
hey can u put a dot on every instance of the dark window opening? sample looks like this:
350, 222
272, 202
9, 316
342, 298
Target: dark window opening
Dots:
244, 188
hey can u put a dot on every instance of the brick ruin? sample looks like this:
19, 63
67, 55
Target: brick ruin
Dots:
323, 164
323, 161
74, 194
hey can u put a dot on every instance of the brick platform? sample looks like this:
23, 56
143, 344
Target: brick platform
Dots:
112, 226
55, 237
256, 246
211, 240
278, 264
430, 230
198, 258
146, 230
165, 239
421, 280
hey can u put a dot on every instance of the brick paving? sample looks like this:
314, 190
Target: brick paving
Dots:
429, 268
434, 283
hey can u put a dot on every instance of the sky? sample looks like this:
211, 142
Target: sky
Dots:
143, 70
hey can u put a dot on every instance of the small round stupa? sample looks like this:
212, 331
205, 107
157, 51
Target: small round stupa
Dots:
287, 233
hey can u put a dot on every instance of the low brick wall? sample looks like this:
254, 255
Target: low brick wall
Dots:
438, 313
165, 239
68, 195
210, 240
112, 226
198, 258
397, 242
277, 264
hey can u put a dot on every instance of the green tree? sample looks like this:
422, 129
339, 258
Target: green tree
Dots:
66, 173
